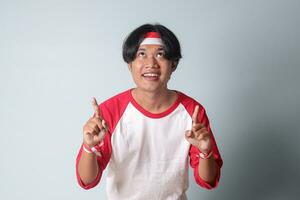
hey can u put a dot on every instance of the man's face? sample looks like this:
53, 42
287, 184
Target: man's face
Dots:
150, 69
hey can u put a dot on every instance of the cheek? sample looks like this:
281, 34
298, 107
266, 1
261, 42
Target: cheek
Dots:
135, 68
168, 72
135, 73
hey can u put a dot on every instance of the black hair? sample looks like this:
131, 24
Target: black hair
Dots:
134, 39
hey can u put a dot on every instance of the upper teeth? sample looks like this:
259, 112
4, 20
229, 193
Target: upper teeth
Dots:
150, 74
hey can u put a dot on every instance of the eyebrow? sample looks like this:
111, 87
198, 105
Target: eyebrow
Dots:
143, 49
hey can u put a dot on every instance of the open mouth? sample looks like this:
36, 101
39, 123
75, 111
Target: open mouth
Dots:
151, 76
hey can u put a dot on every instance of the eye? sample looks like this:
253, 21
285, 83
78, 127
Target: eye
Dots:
141, 54
160, 54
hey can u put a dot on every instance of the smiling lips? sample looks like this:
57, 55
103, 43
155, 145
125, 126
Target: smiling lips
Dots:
151, 76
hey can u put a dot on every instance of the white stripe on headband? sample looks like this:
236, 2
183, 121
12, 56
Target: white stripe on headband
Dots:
148, 41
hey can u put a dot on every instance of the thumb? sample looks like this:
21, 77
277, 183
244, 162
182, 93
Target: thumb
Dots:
188, 134
189, 137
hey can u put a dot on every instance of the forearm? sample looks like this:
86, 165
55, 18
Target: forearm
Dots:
207, 169
88, 167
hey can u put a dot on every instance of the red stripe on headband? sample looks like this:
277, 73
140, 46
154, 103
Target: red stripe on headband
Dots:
152, 35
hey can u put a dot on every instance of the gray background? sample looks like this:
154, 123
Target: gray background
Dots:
240, 60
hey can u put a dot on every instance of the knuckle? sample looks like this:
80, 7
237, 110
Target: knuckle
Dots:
97, 120
86, 127
94, 132
86, 131
94, 126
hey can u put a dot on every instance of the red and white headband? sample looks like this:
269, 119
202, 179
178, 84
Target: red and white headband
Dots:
152, 38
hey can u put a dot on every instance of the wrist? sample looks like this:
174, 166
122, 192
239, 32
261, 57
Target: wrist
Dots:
205, 155
86, 148
91, 150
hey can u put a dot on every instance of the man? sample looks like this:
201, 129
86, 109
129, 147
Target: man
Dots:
146, 135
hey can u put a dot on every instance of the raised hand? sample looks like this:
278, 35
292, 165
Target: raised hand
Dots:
198, 135
95, 128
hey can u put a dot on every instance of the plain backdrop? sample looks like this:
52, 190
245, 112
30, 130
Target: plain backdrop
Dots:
240, 60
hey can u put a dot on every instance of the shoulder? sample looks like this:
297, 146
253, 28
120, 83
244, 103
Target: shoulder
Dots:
121, 98
190, 103
187, 101
116, 104
113, 108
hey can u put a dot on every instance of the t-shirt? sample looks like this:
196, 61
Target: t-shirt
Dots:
146, 154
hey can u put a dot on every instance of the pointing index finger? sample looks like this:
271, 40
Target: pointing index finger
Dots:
98, 113
195, 114
96, 108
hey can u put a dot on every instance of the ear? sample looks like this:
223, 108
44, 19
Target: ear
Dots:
174, 65
129, 67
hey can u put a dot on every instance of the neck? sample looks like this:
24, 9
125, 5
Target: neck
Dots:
154, 102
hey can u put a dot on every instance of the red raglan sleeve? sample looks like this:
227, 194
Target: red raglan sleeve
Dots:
104, 148
111, 110
194, 154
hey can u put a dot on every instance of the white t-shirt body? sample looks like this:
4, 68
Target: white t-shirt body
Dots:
146, 154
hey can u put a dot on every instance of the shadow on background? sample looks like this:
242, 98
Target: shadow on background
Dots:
264, 158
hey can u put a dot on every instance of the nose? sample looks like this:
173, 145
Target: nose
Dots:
151, 62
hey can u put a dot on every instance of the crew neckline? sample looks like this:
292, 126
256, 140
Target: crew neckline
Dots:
155, 115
